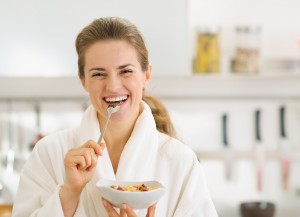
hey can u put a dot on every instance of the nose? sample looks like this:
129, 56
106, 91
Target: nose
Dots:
113, 83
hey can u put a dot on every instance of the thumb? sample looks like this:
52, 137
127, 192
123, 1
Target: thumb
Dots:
102, 145
101, 148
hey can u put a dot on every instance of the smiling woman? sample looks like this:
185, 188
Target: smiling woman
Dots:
61, 176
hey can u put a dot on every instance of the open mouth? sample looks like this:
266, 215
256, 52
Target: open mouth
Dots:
115, 101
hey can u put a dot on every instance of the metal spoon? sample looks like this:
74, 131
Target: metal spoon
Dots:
110, 110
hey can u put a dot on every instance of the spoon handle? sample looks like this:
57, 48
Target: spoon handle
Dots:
110, 110
105, 126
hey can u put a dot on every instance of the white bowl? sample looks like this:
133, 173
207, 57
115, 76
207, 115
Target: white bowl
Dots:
137, 200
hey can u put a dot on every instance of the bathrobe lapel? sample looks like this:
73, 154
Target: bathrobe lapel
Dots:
136, 160
138, 156
104, 170
139, 152
89, 130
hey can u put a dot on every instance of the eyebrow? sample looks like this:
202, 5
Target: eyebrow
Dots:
103, 69
124, 66
96, 69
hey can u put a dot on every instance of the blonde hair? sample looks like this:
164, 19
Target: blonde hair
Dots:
110, 28
115, 28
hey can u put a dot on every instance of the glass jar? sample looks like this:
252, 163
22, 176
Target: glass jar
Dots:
247, 51
207, 57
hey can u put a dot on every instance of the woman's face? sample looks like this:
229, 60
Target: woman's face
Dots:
113, 75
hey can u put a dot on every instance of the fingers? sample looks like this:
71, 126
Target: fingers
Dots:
82, 158
98, 149
85, 157
126, 210
123, 213
110, 209
151, 211
130, 212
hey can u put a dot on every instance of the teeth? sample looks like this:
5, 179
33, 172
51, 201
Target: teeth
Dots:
116, 99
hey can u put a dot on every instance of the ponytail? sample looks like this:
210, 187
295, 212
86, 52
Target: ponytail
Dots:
161, 116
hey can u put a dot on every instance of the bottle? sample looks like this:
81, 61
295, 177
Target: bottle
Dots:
214, 51
207, 58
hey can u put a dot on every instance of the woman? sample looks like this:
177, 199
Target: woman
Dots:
59, 178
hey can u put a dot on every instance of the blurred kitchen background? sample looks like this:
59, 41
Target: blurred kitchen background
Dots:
228, 71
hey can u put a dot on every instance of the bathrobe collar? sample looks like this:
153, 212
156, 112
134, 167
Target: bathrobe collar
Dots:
138, 155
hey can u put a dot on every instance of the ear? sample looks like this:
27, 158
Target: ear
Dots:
148, 74
82, 80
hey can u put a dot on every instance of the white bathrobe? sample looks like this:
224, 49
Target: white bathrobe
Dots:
148, 155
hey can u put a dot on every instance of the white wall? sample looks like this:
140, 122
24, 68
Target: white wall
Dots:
37, 37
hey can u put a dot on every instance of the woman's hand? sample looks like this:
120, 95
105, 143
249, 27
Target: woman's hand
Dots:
80, 164
126, 210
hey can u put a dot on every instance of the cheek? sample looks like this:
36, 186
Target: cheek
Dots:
95, 86
94, 93
137, 87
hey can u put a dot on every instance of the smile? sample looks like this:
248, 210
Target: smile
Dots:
114, 101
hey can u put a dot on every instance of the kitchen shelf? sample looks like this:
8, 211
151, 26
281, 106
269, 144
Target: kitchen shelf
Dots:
240, 155
165, 87
41, 88
227, 87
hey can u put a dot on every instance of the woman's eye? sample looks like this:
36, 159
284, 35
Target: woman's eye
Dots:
126, 71
98, 74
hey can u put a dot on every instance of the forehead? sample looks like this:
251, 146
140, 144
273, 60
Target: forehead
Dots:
111, 50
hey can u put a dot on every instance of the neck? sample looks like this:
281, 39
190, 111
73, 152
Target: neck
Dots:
116, 138
117, 135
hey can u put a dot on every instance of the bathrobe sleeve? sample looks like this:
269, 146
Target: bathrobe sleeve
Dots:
189, 192
41, 179
195, 200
